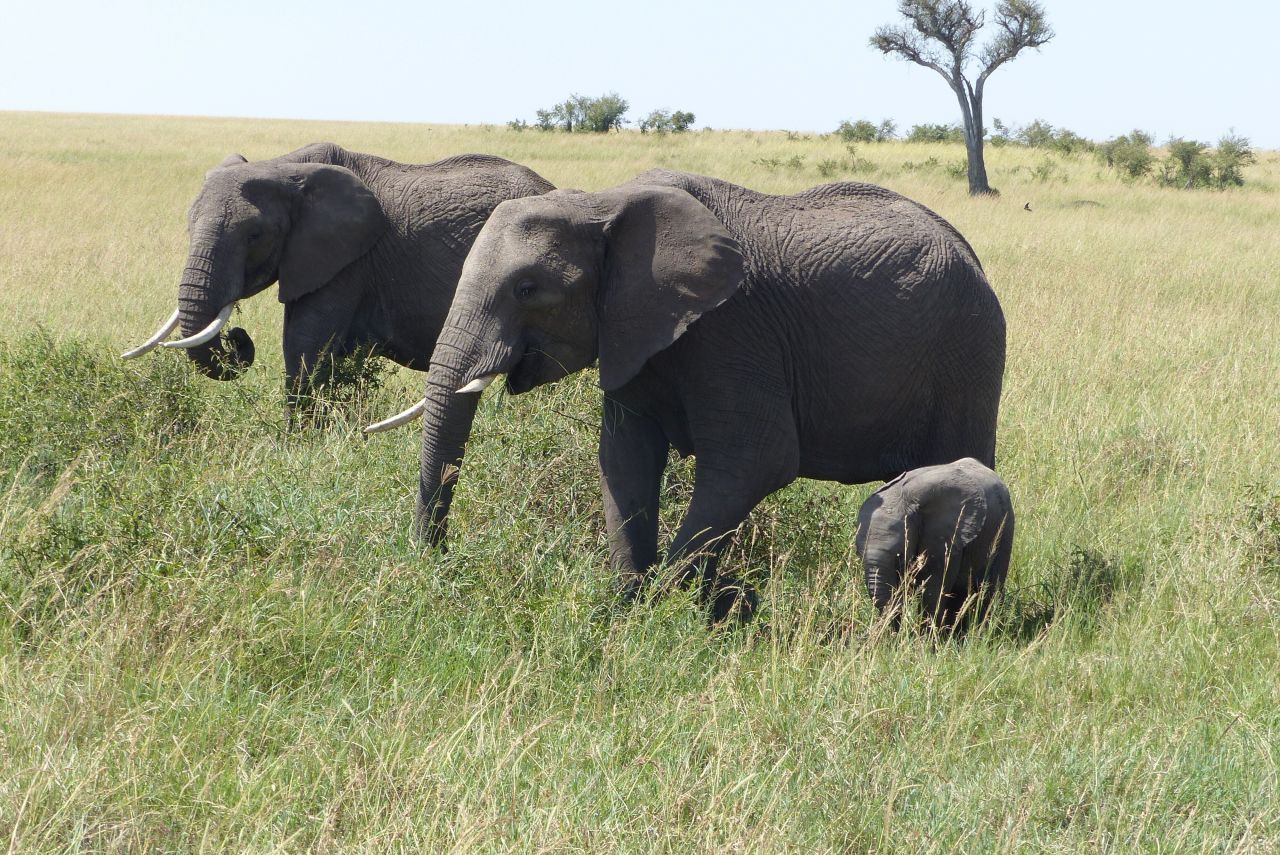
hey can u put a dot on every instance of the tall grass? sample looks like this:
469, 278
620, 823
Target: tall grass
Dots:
216, 633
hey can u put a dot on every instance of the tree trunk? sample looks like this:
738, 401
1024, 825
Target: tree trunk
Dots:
971, 111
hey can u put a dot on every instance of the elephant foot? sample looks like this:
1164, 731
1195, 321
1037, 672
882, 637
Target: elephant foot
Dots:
732, 599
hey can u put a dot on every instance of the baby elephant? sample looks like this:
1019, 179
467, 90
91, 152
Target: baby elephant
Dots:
948, 530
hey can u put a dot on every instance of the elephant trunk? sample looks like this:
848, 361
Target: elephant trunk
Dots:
202, 295
447, 420
882, 576
467, 350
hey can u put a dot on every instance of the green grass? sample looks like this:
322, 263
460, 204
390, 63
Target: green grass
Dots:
216, 634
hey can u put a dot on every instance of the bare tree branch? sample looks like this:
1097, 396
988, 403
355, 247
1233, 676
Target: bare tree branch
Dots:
1022, 24
910, 46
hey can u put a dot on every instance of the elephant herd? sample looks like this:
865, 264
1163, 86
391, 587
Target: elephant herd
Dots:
844, 333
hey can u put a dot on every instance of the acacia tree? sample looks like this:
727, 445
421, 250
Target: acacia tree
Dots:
939, 34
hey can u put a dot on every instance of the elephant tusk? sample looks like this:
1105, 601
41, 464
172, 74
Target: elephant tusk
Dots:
477, 385
153, 342
399, 419
206, 333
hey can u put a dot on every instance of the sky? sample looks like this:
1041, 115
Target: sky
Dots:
1194, 70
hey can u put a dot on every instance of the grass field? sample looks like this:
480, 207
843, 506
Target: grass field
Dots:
215, 634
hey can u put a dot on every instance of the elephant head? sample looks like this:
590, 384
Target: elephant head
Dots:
923, 511
553, 283
254, 224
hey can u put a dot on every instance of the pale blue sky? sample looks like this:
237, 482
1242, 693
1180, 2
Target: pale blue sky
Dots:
1190, 69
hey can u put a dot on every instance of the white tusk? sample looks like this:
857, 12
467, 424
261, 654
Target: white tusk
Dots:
477, 385
154, 341
206, 333
398, 419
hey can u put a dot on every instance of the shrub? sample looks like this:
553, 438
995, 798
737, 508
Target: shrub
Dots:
546, 120
1186, 165
935, 133
865, 132
681, 121
1129, 154
580, 113
1191, 164
860, 131
603, 114
1040, 134
1233, 154
517, 124
661, 122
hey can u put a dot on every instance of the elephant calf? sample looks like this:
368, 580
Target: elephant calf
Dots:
948, 530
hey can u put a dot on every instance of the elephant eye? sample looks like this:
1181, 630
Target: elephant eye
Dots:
525, 289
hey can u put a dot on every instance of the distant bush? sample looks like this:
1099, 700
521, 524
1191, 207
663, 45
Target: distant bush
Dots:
924, 166
864, 131
603, 114
1040, 134
1233, 154
581, 113
1187, 164
1129, 154
661, 122
831, 168
517, 124
935, 133
1191, 164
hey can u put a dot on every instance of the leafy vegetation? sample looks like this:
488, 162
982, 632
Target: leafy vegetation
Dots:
1187, 164
215, 633
928, 133
582, 113
865, 131
661, 122
1041, 134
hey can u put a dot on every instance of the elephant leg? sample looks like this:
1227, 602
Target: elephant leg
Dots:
633, 454
316, 330
721, 501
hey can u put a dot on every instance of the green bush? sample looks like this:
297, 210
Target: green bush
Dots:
935, 133
1233, 154
1191, 164
865, 131
580, 113
1040, 134
661, 122
1129, 154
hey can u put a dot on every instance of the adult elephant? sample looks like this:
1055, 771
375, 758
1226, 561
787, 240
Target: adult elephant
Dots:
845, 333
367, 252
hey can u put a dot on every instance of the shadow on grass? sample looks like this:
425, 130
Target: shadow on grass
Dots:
1085, 585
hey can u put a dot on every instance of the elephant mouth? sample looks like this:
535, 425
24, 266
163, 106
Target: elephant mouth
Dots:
523, 376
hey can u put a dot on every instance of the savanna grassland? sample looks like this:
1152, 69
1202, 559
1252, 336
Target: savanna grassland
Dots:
216, 634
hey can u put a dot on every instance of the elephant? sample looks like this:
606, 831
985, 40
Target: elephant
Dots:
843, 333
946, 529
367, 252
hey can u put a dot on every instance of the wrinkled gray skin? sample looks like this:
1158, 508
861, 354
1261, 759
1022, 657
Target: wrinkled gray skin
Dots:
367, 251
956, 520
844, 333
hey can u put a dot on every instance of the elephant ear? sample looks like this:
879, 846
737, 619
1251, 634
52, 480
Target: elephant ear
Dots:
885, 502
960, 518
667, 261
336, 220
